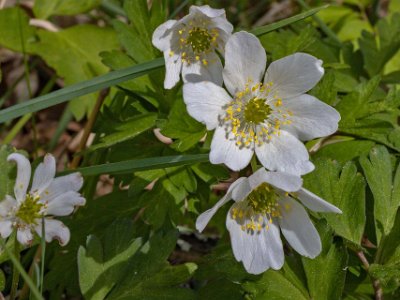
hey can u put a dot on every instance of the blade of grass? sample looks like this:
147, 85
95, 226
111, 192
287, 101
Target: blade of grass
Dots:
274, 26
130, 166
80, 89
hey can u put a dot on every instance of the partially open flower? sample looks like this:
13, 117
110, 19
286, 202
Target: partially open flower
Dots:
269, 116
47, 197
265, 202
190, 45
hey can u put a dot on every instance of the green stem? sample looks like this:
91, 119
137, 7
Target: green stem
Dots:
43, 243
17, 127
22, 271
15, 276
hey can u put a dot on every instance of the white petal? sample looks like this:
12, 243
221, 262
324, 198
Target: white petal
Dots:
311, 118
6, 228
61, 185
204, 101
162, 35
64, 204
224, 150
294, 75
207, 10
54, 229
242, 190
198, 72
245, 60
44, 174
223, 24
258, 251
23, 175
173, 66
24, 236
283, 181
7, 205
315, 203
285, 153
297, 228
206, 216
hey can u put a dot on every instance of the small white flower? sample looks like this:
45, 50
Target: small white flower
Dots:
267, 117
190, 45
264, 202
48, 196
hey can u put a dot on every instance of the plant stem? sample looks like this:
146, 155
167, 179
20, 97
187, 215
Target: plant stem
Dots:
15, 276
43, 244
375, 282
88, 127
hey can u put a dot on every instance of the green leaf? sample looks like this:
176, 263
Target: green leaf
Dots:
328, 284
344, 151
18, 34
151, 259
274, 285
126, 131
79, 89
102, 264
274, 26
385, 189
182, 127
388, 275
131, 166
389, 248
377, 52
7, 174
344, 188
354, 105
46, 8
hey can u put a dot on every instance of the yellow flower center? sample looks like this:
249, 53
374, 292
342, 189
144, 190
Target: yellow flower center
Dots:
30, 209
257, 211
199, 39
255, 115
196, 40
256, 110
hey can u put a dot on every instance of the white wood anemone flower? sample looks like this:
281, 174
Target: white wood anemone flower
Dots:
190, 45
269, 116
47, 197
265, 202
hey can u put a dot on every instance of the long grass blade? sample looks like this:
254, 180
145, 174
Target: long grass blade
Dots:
274, 26
152, 163
80, 89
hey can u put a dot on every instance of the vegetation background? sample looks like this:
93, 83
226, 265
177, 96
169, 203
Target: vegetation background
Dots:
145, 162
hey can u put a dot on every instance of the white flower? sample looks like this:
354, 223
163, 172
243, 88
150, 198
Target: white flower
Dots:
190, 45
267, 117
264, 202
48, 196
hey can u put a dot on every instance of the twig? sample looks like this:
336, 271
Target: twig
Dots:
375, 282
88, 128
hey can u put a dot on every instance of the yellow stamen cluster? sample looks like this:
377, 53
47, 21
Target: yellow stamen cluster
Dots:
255, 115
257, 211
196, 40
30, 210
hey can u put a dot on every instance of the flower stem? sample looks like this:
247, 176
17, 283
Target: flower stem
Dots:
375, 282
43, 244
15, 276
